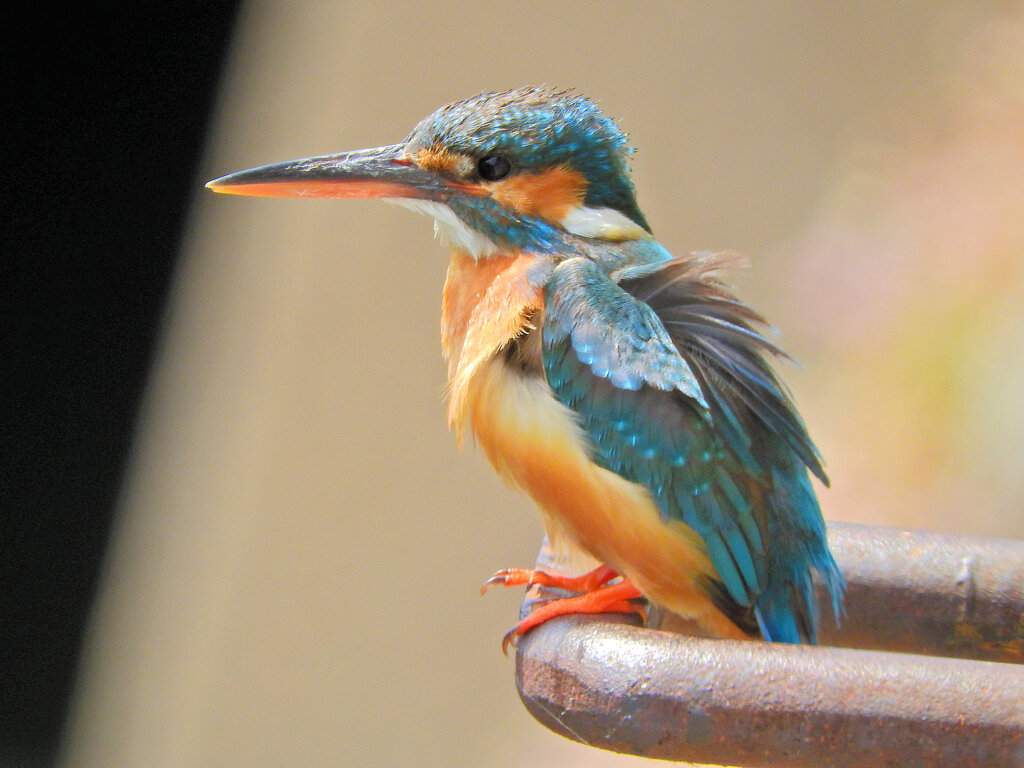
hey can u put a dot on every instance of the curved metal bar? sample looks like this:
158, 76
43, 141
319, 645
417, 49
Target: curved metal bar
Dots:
656, 693
652, 693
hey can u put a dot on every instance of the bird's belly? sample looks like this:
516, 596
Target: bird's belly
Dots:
536, 442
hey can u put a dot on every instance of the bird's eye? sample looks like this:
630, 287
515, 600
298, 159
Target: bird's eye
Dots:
493, 168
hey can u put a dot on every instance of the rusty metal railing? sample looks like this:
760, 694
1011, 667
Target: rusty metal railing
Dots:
926, 670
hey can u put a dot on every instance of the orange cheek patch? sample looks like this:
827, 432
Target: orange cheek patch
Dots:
550, 194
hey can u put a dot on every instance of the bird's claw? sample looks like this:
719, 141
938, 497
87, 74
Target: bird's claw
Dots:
509, 639
510, 577
587, 582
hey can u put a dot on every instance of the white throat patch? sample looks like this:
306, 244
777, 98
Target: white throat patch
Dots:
451, 230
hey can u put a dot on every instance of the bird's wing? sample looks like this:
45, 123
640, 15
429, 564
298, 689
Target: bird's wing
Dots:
669, 381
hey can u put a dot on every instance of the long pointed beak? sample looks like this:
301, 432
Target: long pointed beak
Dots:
381, 172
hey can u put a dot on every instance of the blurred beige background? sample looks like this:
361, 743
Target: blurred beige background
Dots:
294, 581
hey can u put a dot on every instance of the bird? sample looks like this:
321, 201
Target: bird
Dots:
626, 390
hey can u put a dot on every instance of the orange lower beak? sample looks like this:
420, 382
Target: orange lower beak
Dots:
381, 172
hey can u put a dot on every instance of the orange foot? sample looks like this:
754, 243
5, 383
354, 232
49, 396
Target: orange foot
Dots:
598, 596
587, 582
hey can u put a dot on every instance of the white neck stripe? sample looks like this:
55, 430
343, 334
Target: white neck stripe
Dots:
603, 223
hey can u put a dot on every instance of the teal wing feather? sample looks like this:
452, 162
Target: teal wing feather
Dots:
668, 377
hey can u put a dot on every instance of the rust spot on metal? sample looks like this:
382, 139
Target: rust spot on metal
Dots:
960, 596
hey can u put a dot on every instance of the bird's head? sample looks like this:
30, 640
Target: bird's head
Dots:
519, 169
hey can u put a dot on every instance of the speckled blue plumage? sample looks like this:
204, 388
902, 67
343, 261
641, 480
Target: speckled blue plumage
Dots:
665, 371
539, 128
669, 379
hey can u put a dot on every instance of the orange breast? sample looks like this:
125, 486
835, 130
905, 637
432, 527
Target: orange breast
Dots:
536, 443
487, 303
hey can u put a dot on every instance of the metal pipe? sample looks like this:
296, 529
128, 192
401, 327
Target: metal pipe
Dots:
652, 693
930, 593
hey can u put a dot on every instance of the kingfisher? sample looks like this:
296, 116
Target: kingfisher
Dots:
627, 391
